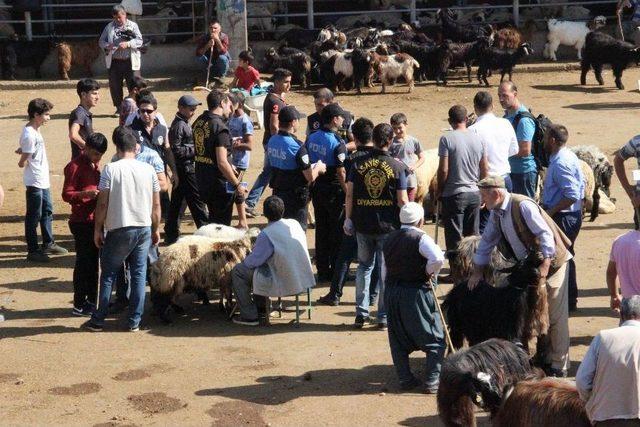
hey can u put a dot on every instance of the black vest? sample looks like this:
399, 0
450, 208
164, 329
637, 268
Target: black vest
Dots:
402, 257
206, 131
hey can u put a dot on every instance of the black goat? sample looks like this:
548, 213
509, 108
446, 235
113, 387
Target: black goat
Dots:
511, 312
600, 49
477, 375
343, 68
299, 37
298, 63
22, 53
493, 58
462, 33
426, 55
453, 54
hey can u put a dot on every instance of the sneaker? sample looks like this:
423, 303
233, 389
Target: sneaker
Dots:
382, 325
86, 310
77, 312
251, 212
134, 328
55, 249
432, 388
92, 326
329, 300
246, 322
360, 321
37, 257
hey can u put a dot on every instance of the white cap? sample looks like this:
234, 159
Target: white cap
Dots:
411, 213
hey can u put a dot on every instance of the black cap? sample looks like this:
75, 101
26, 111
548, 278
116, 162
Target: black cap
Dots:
289, 114
188, 101
330, 111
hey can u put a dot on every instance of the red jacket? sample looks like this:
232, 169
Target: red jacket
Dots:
80, 174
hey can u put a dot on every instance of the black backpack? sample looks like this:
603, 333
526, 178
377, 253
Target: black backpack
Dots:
541, 122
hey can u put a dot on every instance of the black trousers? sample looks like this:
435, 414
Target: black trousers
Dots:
461, 217
120, 70
295, 204
328, 203
85, 272
187, 189
218, 201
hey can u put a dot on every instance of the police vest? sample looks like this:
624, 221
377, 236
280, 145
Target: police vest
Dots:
321, 145
282, 150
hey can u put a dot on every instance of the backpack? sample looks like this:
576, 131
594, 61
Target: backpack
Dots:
541, 122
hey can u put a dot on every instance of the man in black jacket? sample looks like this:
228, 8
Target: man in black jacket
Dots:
181, 140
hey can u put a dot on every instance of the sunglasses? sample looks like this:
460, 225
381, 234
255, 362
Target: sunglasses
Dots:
146, 111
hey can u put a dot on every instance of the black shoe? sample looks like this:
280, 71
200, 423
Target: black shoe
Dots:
92, 326
329, 300
86, 310
55, 249
410, 385
448, 279
382, 325
324, 277
359, 322
37, 257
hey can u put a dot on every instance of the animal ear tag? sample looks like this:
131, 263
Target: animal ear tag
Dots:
636, 173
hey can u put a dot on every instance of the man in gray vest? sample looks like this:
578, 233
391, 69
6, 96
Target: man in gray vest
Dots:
410, 259
608, 378
522, 226
278, 265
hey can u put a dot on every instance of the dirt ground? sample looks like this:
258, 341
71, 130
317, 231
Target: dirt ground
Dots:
204, 370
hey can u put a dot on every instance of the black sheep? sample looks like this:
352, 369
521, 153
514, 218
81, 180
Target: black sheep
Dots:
298, 63
493, 58
600, 49
453, 54
462, 33
481, 371
22, 53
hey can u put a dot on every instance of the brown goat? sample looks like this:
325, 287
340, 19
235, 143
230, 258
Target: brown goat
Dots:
80, 53
508, 38
546, 402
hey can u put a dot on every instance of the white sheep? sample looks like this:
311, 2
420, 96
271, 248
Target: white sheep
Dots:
426, 174
570, 34
160, 27
601, 170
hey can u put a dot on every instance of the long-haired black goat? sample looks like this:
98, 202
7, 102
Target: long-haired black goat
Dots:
514, 311
478, 375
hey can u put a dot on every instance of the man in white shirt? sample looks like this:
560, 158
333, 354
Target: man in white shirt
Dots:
128, 211
608, 378
499, 139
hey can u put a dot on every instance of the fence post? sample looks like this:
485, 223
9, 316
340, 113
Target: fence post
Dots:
28, 30
516, 12
310, 14
412, 12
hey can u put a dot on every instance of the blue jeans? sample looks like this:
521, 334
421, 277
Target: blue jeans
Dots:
525, 183
219, 65
260, 185
484, 212
39, 211
369, 248
129, 244
570, 224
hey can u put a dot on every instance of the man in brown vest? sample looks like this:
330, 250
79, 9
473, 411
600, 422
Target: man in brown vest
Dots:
517, 226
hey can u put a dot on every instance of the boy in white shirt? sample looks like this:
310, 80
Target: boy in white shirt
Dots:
33, 158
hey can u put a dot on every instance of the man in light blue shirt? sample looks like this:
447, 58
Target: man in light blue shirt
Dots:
524, 171
563, 193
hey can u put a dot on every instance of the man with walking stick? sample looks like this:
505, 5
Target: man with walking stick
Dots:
411, 259
212, 52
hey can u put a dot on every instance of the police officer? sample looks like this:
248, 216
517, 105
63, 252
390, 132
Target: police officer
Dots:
321, 98
292, 170
216, 178
329, 189
181, 140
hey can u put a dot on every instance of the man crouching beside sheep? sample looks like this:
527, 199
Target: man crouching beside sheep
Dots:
278, 266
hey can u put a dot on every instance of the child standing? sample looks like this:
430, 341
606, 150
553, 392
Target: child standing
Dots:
246, 77
33, 158
129, 105
80, 190
241, 129
406, 149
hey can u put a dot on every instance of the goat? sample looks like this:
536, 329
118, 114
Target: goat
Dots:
515, 311
600, 49
22, 53
342, 66
543, 402
82, 54
508, 38
481, 371
462, 33
451, 54
569, 33
390, 67
493, 58
462, 266
298, 63
299, 37
426, 55
157, 27
598, 162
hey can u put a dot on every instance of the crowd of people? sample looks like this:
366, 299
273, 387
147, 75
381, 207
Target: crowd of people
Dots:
360, 178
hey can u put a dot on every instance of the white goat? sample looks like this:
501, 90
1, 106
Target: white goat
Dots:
390, 67
160, 27
569, 33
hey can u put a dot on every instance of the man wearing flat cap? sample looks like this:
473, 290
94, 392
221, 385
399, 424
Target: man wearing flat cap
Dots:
292, 169
181, 140
517, 226
329, 189
410, 260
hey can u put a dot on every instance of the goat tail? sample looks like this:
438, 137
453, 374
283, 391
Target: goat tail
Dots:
306, 65
595, 201
415, 63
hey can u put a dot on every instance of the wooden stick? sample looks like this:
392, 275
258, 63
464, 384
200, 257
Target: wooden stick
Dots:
444, 323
